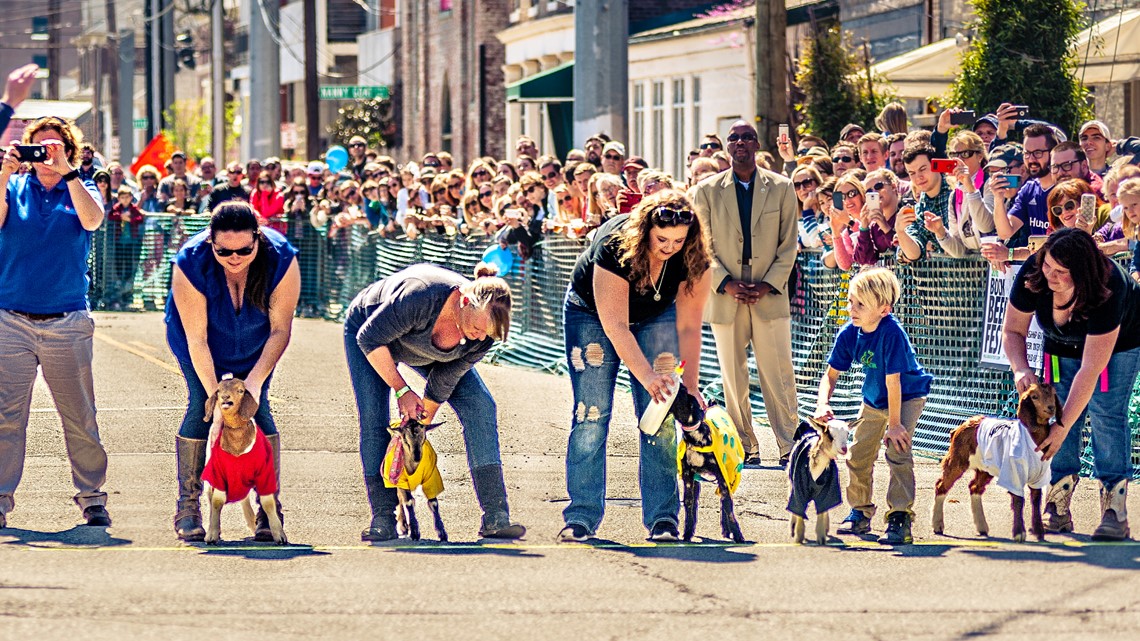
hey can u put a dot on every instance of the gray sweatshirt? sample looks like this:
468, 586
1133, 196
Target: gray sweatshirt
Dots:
400, 311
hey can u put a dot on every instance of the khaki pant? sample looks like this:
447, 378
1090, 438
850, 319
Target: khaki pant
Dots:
62, 348
869, 429
771, 342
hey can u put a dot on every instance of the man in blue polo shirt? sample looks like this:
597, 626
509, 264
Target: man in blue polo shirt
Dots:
46, 219
1030, 206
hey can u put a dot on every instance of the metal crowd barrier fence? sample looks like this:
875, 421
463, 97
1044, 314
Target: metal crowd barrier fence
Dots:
941, 308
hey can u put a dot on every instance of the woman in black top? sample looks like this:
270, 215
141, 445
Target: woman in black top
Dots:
1088, 309
636, 296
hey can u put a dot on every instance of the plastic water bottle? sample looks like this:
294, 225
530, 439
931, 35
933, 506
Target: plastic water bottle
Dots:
655, 414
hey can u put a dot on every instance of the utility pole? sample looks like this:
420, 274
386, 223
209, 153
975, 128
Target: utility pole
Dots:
53, 49
263, 115
601, 69
111, 66
312, 104
126, 106
217, 82
771, 74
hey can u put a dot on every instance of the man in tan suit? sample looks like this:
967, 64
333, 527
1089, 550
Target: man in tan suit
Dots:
751, 217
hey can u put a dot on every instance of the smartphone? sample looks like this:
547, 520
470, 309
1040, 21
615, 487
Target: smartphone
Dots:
1022, 110
837, 200
1014, 180
631, 199
783, 134
1036, 241
943, 165
32, 153
1088, 208
873, 199
963, 118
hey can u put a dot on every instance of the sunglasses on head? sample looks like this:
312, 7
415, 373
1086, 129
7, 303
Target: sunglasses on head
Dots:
747, 137
804, 184
710, 145
670, 216
842, 159
244, 251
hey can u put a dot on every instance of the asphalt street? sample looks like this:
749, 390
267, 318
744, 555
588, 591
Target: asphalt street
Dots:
59, 580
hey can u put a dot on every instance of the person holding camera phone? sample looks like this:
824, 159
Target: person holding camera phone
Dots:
47, 218
877, 229
927, 224
968, 217
1029, 203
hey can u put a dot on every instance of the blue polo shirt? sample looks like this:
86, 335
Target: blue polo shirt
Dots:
235, 339
887, 350
43, 248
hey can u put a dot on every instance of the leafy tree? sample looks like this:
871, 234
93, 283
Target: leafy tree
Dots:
1024, 53
371, 119
834, 86
190, 128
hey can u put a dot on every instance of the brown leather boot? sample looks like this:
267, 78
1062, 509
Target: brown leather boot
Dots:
1057, 505
191, 456
1114, 513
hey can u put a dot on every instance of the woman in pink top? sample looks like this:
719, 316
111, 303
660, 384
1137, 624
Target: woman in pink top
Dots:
269, 203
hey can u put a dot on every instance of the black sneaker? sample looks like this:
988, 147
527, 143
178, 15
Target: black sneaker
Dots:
97, 516
855, 523
3, 520
664, 532
898, 530
751, 461
574, 533
784, 461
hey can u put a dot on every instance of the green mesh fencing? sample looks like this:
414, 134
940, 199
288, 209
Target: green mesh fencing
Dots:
941, 308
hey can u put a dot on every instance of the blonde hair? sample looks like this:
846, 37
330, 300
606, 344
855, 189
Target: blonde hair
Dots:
877, 285
892, 119
1128, 187
493, 294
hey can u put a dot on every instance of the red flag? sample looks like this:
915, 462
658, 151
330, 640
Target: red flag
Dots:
156, 153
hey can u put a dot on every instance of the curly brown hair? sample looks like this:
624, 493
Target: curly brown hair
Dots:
634, 246
71, 136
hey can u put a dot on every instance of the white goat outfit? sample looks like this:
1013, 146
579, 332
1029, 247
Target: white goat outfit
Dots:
1007, 452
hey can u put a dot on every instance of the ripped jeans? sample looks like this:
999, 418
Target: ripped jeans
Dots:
593, 366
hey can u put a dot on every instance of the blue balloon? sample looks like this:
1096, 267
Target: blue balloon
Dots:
336, 158
501, 258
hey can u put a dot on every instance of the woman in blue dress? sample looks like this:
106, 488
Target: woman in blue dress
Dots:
230, 311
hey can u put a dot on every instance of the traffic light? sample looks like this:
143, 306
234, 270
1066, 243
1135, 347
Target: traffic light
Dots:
185, 50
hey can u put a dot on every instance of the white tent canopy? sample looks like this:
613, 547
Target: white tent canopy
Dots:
1107, 52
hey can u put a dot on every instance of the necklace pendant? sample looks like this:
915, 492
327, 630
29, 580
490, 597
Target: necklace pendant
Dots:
657, 297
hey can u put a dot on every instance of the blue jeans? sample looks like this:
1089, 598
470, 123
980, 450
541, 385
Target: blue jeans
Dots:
1111, 438
471, 401
593, 366
194, 424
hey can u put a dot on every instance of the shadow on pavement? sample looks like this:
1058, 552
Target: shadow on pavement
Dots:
463, 549
1112, 556
78, 536
703, 551
258, 551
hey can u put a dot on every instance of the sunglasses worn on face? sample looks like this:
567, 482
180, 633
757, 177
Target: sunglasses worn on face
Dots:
748, 137
848, 195
480, 172
433, 164
551, 176
265, 182
530, 189
613, 157
455, 186
356, 144
1068, 206
804, 184
878, 186
565, 200
710, 145
965, 153
842, 159
670, 216
244, 251
485, 194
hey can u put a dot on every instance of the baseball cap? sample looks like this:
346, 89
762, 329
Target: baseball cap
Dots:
1099, 125
988, 119
614, 145
635, 161
179, 154
849, 128
1002, 156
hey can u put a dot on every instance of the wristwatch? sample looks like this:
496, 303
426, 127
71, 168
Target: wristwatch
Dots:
71, 175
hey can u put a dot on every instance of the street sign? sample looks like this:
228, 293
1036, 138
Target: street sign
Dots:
288, 135
352, 92
140, 123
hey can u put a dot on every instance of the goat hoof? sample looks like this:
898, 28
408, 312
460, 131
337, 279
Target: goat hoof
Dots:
1019, 537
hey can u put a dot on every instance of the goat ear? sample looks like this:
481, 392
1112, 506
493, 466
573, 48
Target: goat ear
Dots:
820, 426
248, 407
1026, 410
210, 403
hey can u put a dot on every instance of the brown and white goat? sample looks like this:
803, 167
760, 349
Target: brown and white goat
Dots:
1038, 407
821, 484
239, 459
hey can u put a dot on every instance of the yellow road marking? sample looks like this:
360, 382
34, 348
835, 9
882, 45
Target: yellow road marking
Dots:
151, 359
143, 345
522, 547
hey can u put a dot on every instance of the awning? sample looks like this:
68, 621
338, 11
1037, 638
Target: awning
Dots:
33, 109
553, 85
1107, 52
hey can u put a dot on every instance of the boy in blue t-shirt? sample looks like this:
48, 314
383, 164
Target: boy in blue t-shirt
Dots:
894, 392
